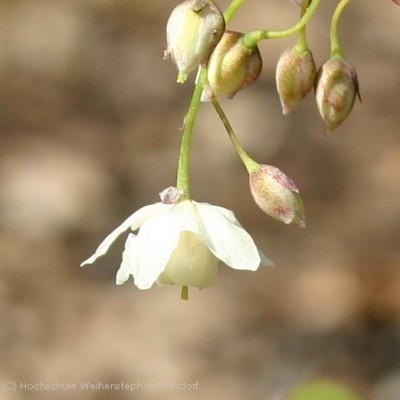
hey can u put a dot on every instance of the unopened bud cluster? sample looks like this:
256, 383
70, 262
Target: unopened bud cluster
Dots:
196, 36
335, 83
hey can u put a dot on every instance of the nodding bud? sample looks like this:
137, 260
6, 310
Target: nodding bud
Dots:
231, 67
277, 195
193, 30
295, 77
336, 91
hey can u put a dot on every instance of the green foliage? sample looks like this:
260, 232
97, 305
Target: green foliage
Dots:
324, 390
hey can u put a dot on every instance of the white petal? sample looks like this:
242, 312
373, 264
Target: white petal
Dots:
158, 237
229, 214
186, 216
265, 261
133, 222
130, 260
226, 239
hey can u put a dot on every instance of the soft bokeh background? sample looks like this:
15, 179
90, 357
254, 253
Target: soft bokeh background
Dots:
89, 118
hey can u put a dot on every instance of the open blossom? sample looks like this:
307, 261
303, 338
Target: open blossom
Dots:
179, 242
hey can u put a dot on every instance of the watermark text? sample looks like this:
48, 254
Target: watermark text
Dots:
97, 386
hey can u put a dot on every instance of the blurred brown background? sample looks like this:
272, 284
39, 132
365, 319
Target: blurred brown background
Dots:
89, 118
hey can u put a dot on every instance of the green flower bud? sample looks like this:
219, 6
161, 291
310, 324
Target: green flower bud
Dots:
231, 67
193, 30
336, 91
295, 77
277, 195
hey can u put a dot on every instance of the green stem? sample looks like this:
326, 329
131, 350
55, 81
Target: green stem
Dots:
183, 174
251, 39
336, 49
232, 9
302, 42
248, 162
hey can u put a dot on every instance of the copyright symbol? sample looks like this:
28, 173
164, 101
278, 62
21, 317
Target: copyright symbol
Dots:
9, 386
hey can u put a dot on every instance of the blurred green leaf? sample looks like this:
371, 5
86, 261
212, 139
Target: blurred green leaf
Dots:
324, 390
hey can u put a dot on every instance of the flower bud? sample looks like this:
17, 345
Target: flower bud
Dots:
193, 30
295, 77
231, 67
277, 195
336, 91
397, 2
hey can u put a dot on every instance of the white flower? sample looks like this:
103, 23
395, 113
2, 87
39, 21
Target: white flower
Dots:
180, 244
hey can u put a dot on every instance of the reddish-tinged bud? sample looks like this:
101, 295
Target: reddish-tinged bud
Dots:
397, 2
193, 30
295, 77
277, 195
336, 91
231, 67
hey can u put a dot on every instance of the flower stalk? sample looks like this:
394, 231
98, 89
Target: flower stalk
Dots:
252, 38
248, 162
183, 173
273, 191
302, 44
336, 48
232, 9
184, 293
